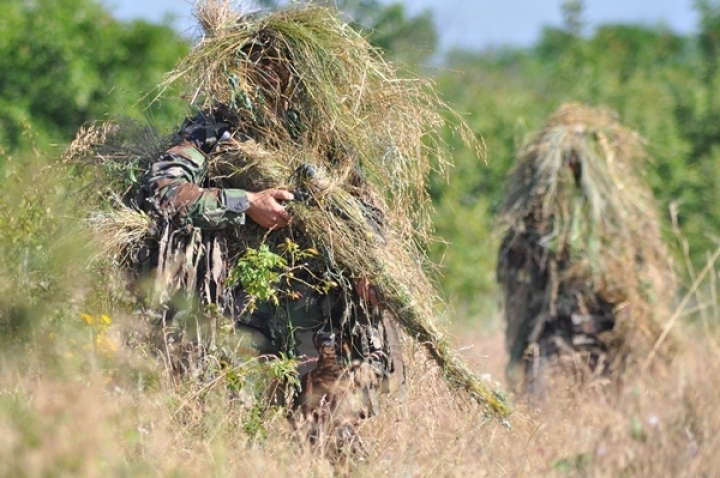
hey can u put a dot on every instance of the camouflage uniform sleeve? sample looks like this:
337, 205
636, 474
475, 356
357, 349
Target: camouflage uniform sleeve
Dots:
174, 186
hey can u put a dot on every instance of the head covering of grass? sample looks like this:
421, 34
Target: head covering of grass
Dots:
320, 113
581, 226
337, 100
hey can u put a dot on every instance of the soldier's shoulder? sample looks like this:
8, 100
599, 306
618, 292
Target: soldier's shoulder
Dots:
188, 152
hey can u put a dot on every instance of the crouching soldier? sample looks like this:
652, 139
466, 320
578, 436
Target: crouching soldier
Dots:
347, 348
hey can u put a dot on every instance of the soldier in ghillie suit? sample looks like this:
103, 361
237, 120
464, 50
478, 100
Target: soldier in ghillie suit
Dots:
294, 204
583, 265
194, 212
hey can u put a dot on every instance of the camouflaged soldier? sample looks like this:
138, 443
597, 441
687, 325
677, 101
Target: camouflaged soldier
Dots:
347, 347
189, 214
175, 191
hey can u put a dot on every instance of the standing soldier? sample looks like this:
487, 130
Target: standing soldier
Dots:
583, 266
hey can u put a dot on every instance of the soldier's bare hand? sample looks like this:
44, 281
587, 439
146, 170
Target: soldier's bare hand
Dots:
266, 208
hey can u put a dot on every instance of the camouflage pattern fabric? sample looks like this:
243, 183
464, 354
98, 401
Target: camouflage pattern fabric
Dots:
173, 187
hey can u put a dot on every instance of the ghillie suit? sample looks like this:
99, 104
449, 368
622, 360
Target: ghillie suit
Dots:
315, 111
585, 273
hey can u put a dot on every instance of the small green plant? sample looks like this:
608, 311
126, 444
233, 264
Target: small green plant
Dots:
266, 276
573, 464
268, 383
259, 271
636, 429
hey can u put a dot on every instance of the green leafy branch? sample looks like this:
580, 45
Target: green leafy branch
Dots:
266, 276
259, 271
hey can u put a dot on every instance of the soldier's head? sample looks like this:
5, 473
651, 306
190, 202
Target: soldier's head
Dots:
270, 68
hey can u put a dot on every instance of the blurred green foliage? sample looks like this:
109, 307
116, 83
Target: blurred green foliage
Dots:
43, 253
662, 85
407, 38
65, 63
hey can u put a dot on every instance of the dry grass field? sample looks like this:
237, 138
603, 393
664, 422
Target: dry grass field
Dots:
80, 398
99, 409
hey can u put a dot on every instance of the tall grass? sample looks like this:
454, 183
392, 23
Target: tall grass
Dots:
98, 421
81, 395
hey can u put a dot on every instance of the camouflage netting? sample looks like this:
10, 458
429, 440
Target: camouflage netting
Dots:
330, 120
583, 265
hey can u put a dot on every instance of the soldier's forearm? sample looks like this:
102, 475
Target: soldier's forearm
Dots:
217, 209
175, 186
